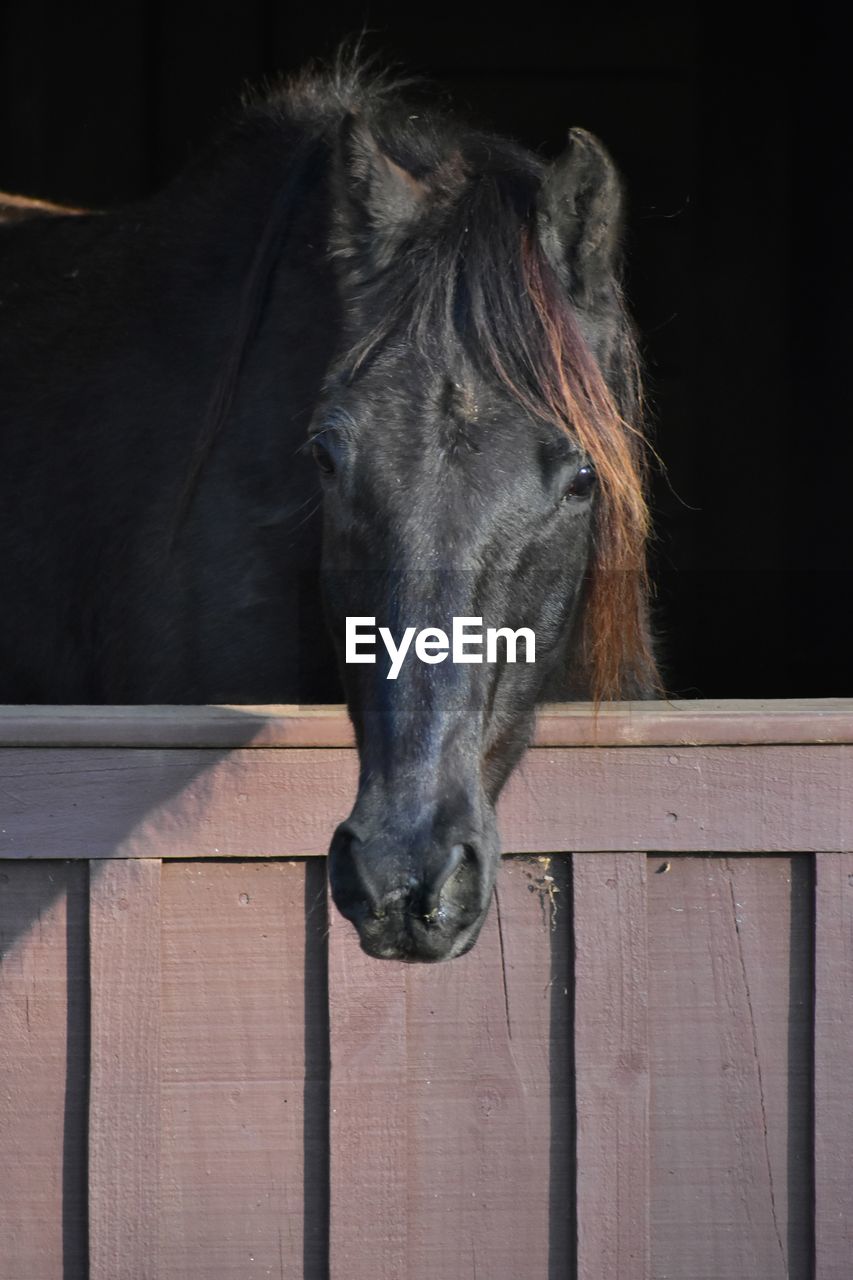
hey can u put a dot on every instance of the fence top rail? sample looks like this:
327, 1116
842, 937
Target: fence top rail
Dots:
570, 724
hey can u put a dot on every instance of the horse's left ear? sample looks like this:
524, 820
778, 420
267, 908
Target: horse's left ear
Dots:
579, 213
379, 199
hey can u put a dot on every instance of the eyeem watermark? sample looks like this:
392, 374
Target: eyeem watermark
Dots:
465, 643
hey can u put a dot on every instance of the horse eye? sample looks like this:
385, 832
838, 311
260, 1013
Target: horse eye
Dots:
583, 483
323, 458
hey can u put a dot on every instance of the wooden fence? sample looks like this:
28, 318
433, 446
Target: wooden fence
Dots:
643, 1069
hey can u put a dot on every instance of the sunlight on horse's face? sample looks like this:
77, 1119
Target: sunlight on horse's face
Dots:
442, 500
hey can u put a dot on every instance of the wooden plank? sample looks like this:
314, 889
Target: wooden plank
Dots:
451, 1098
724, 722
129, 803
219, 727
611, 1066
244, 1071
730, 1002
368, 1127
43, 1061
124, 1088
833, 1058
569, 724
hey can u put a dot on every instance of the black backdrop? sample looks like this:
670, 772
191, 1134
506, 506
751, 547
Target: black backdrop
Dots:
732, 130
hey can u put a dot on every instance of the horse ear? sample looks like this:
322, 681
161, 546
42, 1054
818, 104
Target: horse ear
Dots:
579, 216
379, 198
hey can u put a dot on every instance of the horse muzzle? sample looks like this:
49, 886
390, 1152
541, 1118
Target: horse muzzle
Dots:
421, 898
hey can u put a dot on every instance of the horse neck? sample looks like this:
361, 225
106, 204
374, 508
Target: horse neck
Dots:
250, 225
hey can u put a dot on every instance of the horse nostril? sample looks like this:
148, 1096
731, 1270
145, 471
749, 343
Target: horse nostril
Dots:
456, 876
352, 890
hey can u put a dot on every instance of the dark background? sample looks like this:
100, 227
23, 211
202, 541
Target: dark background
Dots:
731, 127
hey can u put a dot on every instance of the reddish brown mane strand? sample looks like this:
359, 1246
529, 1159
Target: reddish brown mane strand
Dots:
614, 639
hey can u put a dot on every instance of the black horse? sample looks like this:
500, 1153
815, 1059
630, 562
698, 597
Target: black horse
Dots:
357, 361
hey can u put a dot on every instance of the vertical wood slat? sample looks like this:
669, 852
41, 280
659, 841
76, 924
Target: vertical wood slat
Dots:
124, 1098
368, 1137
833, 1055
43, 1060
451, 1097
611, 1065
244, 1097
730, 1045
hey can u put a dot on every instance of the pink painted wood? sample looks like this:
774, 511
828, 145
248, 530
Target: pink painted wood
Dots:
833, 1066
451, 1098
568, 724
120, 802
730, 988
43, 1052
704, 992
611, 1065
124, 1079
244, 1071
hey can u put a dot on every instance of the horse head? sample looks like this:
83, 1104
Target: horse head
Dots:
479, 460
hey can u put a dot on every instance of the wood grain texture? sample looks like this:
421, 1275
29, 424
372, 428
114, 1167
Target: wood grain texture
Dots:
124, 1085
703, 722
833, 1066
43, 1063
368, 1122
245, 1071
139, 803
451, 1098
214, 727
730, 988
569, 724
135, 803
611, 1066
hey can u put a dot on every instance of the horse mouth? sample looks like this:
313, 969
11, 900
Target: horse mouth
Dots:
399, 932
412, 945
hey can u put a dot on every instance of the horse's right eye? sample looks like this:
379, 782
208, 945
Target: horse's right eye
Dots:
583, 483
323, 458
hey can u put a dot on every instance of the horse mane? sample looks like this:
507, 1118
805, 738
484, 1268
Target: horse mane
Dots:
477, 274
614, 639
